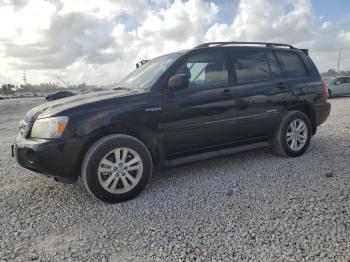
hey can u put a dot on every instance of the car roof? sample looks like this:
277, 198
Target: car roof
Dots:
239, 45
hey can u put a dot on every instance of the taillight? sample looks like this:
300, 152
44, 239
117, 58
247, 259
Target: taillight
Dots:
325, 90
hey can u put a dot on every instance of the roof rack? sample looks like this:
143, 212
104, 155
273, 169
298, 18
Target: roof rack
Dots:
244, 43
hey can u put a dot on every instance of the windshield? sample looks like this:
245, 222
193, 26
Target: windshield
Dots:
145, 76
330, 81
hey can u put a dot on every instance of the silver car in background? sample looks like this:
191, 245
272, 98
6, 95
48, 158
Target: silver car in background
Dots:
338, 86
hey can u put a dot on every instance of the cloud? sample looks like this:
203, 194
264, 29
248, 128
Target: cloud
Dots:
284, 21
84, 35
17, 4
106, 8
99, 41
181, 25
68, 38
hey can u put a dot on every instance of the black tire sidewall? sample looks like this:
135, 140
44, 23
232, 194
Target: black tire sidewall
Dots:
288, 120
90, 168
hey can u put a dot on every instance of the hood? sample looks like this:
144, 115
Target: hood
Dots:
55, 107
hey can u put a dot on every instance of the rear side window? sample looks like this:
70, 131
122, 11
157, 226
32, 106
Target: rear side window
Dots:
251, 66
274, 66
292, 64
205, 70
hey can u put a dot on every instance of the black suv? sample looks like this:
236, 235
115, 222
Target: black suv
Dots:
216, 99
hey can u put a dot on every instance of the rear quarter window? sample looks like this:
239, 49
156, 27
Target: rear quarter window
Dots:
292, 64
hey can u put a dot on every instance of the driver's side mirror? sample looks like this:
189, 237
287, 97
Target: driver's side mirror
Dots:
178, 82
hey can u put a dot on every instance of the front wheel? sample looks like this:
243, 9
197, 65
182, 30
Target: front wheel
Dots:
116, 168
294, 134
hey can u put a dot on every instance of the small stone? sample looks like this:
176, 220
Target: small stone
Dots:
329, 174
229, 193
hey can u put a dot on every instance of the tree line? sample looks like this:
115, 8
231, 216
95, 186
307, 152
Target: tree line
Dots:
9, 89
332, 72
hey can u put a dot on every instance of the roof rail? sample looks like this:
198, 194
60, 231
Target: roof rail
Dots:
244, 43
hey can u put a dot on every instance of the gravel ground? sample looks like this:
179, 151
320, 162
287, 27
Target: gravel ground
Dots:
250, 206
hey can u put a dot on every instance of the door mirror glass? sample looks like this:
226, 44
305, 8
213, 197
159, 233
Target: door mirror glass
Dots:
178, 82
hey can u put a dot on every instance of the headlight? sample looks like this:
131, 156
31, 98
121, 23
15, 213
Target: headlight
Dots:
52, 127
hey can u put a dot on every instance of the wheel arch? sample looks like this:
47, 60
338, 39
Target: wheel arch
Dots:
144, 134
308, 110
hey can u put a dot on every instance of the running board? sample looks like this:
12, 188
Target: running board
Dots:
217, 153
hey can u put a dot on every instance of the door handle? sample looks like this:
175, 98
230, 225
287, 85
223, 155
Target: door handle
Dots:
280, 85
227, 92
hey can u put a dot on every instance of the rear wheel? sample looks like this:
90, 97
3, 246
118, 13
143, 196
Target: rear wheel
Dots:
116, 168
294, 134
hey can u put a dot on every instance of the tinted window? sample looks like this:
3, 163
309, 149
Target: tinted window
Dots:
292, 64
274, 66
205, 70
251, 66
347, 80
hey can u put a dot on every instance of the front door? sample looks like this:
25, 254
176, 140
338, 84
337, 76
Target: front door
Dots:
205, 114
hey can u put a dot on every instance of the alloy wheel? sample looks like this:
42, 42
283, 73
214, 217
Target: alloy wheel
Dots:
297, 135
120, 170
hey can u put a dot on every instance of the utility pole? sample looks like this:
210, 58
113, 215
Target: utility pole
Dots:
24, 79
338, 62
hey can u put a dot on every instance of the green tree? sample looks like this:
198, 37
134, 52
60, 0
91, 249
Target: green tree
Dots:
331, 72
7, 89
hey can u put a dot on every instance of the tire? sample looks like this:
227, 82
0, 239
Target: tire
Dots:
284, 146
109, 177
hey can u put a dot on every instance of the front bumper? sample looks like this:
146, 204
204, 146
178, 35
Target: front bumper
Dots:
322, 112
58, 158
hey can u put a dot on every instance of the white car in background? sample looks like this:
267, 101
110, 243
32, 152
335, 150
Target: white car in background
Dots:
338, 86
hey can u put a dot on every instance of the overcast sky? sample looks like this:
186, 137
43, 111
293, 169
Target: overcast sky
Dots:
99, 41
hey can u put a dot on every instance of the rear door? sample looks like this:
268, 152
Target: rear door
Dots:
347, 88
261, 92
344, 86
205, 114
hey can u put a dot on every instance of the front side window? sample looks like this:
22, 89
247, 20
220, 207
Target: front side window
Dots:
251, 66
292, 64
205, 70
